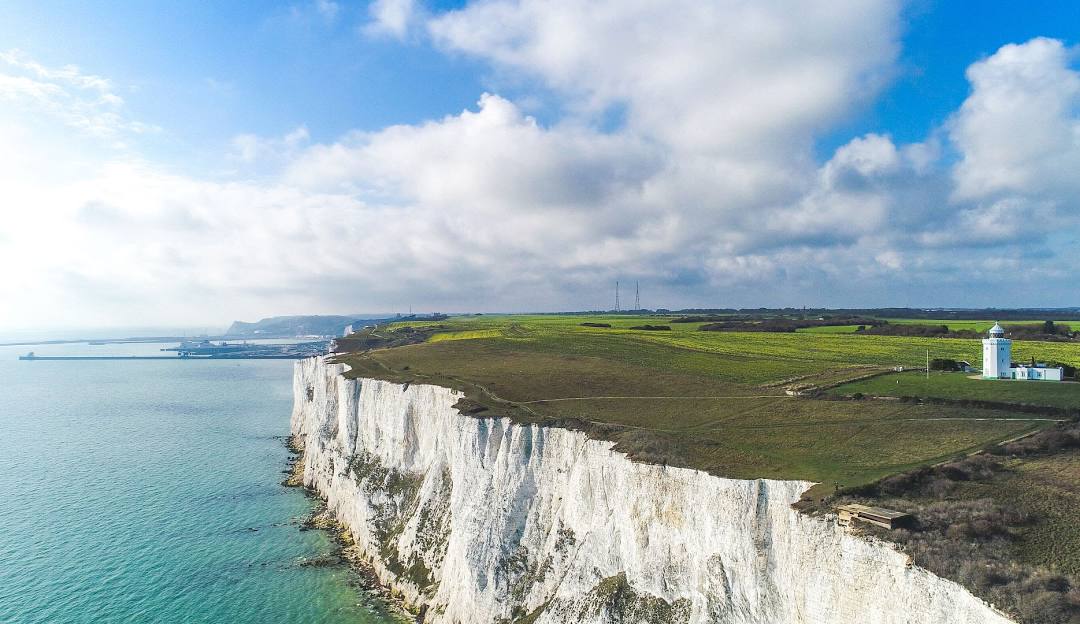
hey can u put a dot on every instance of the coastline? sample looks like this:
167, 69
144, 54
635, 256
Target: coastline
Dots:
346, 553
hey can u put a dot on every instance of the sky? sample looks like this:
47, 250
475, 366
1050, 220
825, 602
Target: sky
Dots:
191, 163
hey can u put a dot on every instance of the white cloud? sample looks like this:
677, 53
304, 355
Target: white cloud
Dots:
709, 192
134, 242
868, 155
1010, 193
489, 201
728, 77
85, 102
1018, 137
392, 18
493, 159
1019, 130
1004, 222
252, 149
68, 74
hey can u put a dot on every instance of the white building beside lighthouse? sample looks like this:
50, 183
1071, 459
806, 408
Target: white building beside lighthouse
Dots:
997, 361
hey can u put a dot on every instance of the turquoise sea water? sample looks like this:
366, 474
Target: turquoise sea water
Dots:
144, 491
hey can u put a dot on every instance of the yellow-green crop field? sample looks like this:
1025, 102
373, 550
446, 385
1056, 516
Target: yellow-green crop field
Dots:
750, 357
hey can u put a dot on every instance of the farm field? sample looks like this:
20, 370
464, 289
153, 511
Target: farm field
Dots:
709, 400
775, 355
962, 387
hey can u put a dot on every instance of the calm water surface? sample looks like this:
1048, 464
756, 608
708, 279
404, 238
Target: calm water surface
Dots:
144, 491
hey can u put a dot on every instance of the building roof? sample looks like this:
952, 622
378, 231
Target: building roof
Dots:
997, 330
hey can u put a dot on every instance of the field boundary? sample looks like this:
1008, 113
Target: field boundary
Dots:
1065, 413
663, 398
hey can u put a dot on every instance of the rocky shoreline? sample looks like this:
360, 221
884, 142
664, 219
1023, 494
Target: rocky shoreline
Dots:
345, 552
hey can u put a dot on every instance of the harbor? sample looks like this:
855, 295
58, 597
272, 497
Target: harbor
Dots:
207, 350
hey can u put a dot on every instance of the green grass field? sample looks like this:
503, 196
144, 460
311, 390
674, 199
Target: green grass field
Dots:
709, 400
962, 386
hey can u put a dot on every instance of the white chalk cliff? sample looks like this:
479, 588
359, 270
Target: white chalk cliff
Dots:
483, 520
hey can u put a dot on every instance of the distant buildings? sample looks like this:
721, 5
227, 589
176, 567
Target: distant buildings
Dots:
998, 364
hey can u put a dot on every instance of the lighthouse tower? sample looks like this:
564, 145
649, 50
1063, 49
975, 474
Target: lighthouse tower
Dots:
997, 354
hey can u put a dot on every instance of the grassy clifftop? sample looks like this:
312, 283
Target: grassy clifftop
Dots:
1001, 523
709, 400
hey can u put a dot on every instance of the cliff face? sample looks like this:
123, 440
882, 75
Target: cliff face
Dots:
482, 520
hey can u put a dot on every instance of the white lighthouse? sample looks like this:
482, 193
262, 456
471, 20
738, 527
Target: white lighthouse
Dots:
997, 354
997, 361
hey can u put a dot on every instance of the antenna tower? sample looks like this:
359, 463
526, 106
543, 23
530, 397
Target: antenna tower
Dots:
616, 295
637, 296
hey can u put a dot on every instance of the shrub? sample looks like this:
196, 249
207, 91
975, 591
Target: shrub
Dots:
972, 541
1050, 440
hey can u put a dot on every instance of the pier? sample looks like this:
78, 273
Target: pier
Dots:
177, 358
207, 351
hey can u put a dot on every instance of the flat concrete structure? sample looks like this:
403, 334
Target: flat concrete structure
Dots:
879, 516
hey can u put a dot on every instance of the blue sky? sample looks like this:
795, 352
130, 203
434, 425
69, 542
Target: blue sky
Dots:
940, 39
212, 70
217, 69
835, 153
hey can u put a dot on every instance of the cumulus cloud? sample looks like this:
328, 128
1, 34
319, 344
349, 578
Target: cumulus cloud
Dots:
708, 191
730, 77
1009, 221
492, 159
1018, 137
1011, 191
1019, 131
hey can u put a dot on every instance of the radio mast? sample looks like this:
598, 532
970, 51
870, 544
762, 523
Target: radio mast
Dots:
616, 295
637, 297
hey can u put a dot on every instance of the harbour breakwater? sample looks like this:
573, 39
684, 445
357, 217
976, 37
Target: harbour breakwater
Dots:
482, 520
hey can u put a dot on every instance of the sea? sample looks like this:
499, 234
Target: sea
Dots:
149, 491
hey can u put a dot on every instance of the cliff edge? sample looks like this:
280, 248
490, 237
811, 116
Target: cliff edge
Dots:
482, 520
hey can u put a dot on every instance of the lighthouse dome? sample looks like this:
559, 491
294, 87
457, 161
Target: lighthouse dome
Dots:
997, 330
